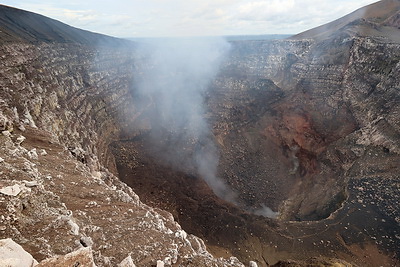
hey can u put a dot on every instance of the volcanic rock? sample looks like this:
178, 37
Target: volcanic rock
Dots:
127, 262
13, 255
12, 190
81, 257
307, 130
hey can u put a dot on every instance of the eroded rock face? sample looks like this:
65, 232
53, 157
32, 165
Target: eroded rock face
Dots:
80, 257
304, 138
307, 130
324, 99
285, 114
49, 87
58, 114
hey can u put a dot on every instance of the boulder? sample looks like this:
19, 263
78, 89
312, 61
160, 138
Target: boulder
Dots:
13, 255
80, 257
127, 262
12, 190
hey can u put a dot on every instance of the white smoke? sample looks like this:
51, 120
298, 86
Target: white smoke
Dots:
266, 212
171, 87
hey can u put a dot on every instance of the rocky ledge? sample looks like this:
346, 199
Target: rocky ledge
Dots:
53, 204
57, 190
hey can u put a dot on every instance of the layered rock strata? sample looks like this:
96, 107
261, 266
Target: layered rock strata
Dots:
58, 113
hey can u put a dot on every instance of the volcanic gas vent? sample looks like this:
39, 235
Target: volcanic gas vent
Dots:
267, 150
170, 101
202, 113
280, 142
273, 132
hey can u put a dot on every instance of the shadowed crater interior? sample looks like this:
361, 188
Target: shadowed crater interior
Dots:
256, 155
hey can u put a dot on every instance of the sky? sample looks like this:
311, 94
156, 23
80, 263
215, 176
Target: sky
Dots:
159, 18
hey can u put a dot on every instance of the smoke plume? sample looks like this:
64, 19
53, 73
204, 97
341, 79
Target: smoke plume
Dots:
171, 86
266, 212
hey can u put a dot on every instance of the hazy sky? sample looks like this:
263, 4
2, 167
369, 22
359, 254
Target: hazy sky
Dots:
138, 18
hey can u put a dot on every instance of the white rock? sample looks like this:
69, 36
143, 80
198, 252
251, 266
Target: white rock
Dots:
96, 174
253, 264
74, 227
81, 257
22, 128
20, 139
43, 152
29, 120
68, 220
16, 115
6, 133
32, 154
91, 204
168, 261
86, 241
160, 263
13, 255
12, 190
127, 262
30, 183
1, 160
124, 197
181, 234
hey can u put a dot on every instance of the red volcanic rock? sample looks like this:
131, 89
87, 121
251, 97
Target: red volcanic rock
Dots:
306, 129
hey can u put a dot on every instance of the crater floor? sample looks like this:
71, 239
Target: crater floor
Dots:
358, 232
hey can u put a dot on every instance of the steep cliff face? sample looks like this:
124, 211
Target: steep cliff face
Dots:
305, 127
296, 123
342, 95
61, 105
63, 89
339, 102
307, 131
